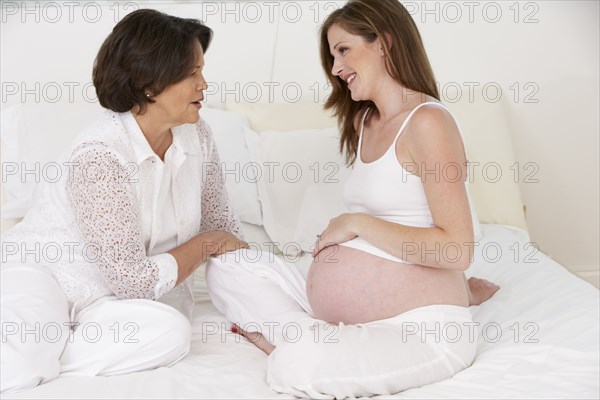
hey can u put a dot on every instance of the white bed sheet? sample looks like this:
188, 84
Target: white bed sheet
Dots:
561, 310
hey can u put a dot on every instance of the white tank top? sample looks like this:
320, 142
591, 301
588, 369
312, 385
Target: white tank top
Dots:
386, 190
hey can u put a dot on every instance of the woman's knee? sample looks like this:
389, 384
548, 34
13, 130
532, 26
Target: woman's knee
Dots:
169, 332
236, 271
224, 276
23, 369
179, 335
35, 326
135, 335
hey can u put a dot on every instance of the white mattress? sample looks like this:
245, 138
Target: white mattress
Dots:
540, 299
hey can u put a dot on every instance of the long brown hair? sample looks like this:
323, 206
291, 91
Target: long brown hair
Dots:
406, 60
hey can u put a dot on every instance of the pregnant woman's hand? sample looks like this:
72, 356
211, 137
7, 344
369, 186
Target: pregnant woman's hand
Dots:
340, 230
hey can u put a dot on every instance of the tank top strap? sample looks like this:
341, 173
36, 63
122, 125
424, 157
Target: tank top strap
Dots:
410, 116
439, 105
360, 132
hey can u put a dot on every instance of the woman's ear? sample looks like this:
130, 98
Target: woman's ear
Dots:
388, 39
389, 43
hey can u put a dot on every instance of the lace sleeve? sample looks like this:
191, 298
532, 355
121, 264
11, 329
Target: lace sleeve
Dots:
106, 211
217, 213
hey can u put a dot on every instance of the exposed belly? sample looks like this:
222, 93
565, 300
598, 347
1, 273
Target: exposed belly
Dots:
352, 286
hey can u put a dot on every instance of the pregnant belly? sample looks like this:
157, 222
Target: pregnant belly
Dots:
352, 286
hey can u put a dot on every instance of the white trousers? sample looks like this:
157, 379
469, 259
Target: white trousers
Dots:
315, 359
110, 337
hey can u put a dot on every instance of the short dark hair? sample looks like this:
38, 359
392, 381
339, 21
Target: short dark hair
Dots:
146, 52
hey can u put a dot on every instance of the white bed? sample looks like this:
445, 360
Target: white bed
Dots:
546, 317
539, 335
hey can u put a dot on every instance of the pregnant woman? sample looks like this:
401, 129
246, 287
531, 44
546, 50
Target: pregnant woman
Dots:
387, 301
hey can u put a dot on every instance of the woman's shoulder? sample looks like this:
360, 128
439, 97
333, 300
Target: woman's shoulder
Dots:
432, 132
106, 135
431, 119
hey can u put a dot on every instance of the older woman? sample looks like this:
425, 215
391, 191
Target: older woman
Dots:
101, 283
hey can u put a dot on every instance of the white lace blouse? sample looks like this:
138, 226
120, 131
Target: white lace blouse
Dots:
95, 228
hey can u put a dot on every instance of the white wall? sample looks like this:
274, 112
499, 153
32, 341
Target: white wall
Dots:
543, 55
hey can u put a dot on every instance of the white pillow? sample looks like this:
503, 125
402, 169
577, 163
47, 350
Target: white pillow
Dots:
257, 238
240, 180
301, 184
486, 135
17, 193
296, 209
494, 189
34, 135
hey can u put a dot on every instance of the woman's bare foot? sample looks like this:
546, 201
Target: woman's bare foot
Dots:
480, 290
256, 338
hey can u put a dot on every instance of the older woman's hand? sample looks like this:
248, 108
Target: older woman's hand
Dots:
191, 254
223, 242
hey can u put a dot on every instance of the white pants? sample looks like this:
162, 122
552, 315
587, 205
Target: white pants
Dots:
110, 337
262, 293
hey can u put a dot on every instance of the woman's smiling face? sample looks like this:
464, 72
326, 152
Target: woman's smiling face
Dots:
357, 62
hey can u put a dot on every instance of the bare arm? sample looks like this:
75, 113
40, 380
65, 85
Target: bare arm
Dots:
434, 143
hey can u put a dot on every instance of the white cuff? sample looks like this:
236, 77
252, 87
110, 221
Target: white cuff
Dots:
167, 273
